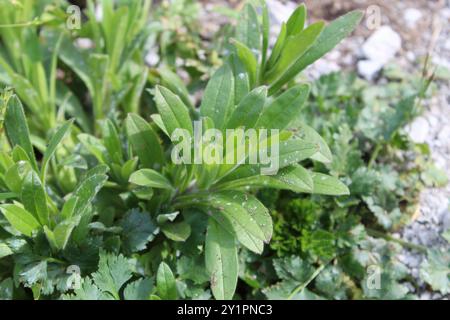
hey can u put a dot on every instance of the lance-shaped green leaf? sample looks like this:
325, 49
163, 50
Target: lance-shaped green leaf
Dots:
174, 83
236, 224
294, 48
176, 231
34, 198
94, 146
284, 109
290, 152
17, 128
218, 99
221, 261
241, 78
63, 231
227, 222
247, 112
294, 178
150, 178
111, 141
15, 174
248, 29
242, 215
144, 141
173, 111
68, 209
77, 61
20, 219
328, 39
296, 21
278, 47
87, 190
324, 184
165, 283
53, 144
307, 133
248, 59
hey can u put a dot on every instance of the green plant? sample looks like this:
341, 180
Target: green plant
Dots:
118, 190
338, 240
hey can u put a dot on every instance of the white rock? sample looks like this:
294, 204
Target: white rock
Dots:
369, 68
412, 16
379, 49
419, 130
382, 45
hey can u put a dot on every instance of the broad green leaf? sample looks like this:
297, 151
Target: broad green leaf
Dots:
435, 270
165, 283
113, 272
150, 178
5, 250
173, 111
294, 48
19, 154
218, 98
138, 229
53, 144
6, 289
144, 141
307, 133
20, 219
17, 128
324, 184
221, 261
328, 39
251, 216
15, 174
176, 231
34, 198
284, 109
247, 112
241, 215
248, 59
139, 289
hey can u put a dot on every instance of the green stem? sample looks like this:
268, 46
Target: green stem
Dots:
406, 244
375, 154
21, 25
308, 281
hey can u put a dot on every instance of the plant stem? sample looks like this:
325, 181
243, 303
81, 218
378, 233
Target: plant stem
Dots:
375, 154
406, 244
308, 281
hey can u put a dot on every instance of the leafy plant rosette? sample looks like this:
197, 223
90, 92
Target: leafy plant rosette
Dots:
119, 193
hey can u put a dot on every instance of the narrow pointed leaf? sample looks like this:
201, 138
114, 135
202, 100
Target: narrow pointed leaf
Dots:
221, 261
